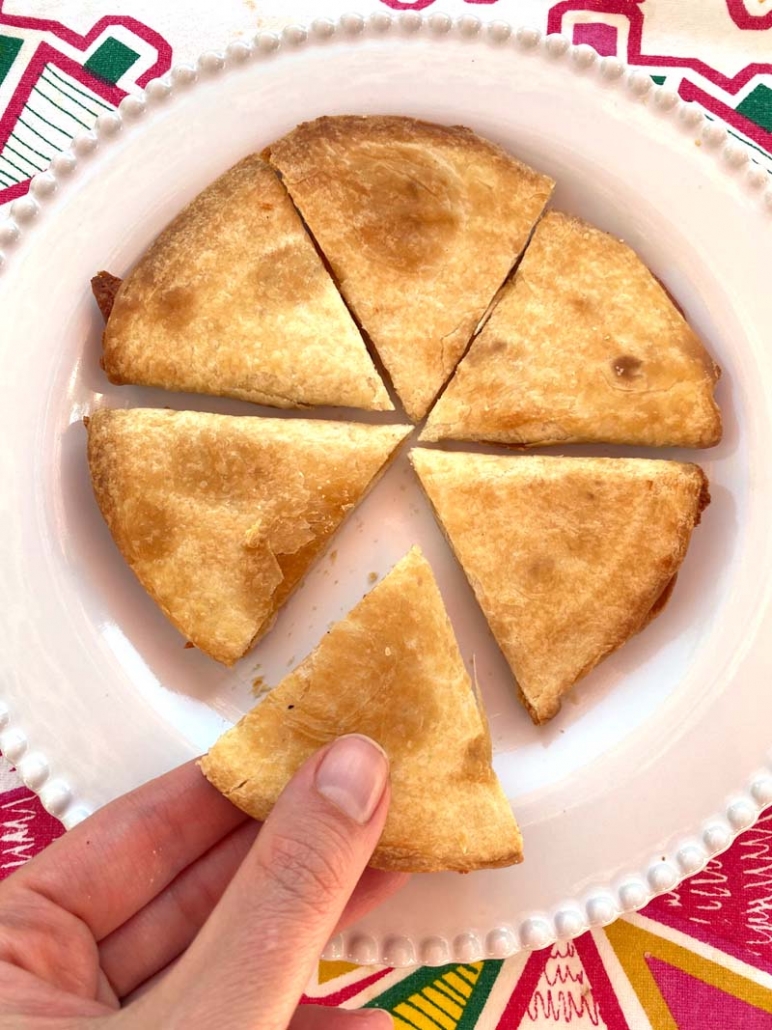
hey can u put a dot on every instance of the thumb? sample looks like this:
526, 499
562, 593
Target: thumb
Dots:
256, 952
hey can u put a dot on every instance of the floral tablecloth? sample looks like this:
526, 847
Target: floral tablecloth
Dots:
699, 958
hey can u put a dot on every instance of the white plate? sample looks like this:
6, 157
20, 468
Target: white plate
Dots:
660, 756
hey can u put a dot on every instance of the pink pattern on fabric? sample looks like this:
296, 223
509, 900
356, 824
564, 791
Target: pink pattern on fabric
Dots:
155, 39
743, 18
346, 993
729, 904
688, 91
695, 1005
602, 987
421, 5
25, 829
46, 54
543, 994
635, 55
602, 38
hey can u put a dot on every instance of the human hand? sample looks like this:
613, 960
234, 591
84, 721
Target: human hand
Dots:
173, 880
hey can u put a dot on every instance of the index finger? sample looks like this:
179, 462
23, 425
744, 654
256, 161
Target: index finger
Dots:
132, 849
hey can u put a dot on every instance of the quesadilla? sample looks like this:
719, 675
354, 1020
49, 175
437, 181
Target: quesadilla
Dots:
220, 517
568, 557
420, 223
584, 345
390, 670
232, 299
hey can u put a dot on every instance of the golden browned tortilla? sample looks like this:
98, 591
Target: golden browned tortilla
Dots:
420, 223
219, 516
568, 557
391, 670
583, 345
233, 299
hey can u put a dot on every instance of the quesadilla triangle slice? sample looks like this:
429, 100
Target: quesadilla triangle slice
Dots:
421, 224
390, 670
583, 345
568, 557
232, 299
220, 517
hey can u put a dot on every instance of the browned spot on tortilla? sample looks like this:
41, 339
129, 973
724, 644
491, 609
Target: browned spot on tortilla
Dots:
404, 206
580, 303
626, 366
152, 534
175, 307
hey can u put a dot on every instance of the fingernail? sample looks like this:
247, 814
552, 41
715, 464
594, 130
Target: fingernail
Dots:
352, 775
368, 1019
385, 1019
372, 1019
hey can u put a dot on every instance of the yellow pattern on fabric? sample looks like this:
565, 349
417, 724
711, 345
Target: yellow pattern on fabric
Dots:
632, 944
415, 1018
400, 1024
447, 1002
458, 985
433, 1011
443, 1002
454, 996
471, 978
332, 970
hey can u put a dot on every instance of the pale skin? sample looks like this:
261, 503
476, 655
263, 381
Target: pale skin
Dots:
170, 908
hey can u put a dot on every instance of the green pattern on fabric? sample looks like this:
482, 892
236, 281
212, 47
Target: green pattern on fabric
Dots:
111, 60
757, 107
9, 48
480, 978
